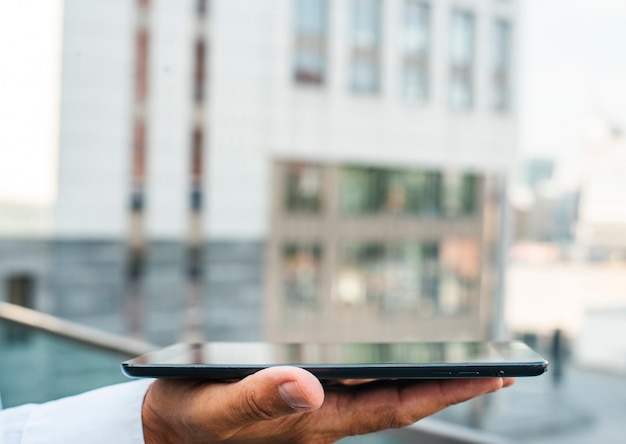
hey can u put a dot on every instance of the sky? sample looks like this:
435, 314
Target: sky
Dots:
572, 62
573, 66
30, 57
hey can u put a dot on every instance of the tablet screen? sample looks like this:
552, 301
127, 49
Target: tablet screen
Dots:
267, 354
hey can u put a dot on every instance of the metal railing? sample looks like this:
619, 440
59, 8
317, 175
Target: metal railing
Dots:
73, 331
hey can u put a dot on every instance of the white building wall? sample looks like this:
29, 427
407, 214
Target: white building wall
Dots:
241, 86
169, 118
255, 112
334, 124
96, 94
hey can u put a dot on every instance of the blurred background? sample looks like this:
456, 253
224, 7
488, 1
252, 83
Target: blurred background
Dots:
370, 170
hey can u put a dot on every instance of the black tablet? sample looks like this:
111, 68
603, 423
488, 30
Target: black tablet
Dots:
404, 360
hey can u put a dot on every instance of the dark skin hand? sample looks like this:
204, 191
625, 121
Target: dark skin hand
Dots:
289, 405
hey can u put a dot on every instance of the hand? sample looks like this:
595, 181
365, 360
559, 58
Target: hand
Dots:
288, 405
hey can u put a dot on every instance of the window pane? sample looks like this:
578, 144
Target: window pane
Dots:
301, 277
377, 190
461, 59
415, 47
310, 41
311, 17
470, 194
366, 41
452, 194
416, 38
501, 65
363, 190
462, 38
366, 24
424, 190
460, 194
460, 274
303, 188
424, 278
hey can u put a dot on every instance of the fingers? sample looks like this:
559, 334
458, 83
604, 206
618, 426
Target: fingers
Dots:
508, 382
461, 390
249, 410
378, 407
268, 394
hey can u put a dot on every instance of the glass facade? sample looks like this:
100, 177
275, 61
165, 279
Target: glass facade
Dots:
366, 46
310, 18
501, 66
349, 260
461, 78
415, 51
428, 193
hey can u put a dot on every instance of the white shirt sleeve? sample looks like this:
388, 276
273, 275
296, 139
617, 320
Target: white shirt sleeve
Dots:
103, 416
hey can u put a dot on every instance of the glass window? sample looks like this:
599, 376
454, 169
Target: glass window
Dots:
377, 190
470, 194
430, 278
452, 194
460, 196
460, 274
302, 274
303, 188
501, 66
415, 50
310, 41
461, 94
424, 192
366, 44
394, 278
363, 190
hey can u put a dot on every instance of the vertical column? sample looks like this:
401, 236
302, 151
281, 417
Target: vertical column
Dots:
195, 247
136, 236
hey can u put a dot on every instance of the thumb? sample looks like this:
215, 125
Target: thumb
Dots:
269, 394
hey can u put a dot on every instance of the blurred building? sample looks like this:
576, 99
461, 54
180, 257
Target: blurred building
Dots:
545, 205
602, 225
359, 147
394, 126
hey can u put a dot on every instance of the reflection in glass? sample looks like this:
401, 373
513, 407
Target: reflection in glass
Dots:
415, 48
366, 43
461, 94
303, 188
310, 19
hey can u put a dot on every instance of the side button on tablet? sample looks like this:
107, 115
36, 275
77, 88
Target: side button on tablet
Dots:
469, 373
440, 374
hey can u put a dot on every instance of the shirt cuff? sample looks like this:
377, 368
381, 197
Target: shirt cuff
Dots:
103, 416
